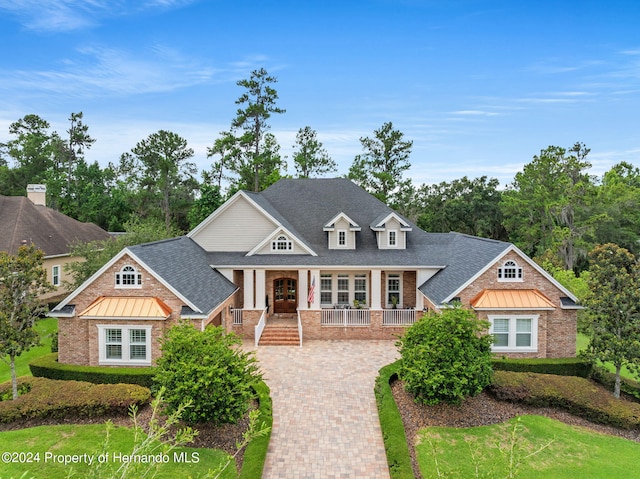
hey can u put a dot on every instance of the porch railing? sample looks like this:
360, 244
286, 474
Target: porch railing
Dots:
237, 317
345, 317
398, 317
260, 326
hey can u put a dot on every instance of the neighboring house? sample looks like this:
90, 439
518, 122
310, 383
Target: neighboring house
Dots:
27, 220
325, 253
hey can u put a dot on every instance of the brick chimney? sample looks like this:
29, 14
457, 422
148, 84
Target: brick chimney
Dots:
37, 194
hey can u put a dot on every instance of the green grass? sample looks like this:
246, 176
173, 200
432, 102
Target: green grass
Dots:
80, 440
45, 327
582, 341
564, 451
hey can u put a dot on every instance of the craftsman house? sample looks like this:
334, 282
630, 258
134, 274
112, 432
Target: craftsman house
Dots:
314, 259
27, 220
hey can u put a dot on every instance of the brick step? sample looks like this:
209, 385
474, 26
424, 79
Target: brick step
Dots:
280, 336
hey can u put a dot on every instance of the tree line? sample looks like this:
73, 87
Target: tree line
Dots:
555, 210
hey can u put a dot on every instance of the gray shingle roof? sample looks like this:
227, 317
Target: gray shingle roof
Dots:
183, 264
48, 229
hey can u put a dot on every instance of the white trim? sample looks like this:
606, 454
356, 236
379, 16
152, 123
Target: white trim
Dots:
330, 226
281, 230
125, 328
380, 225
54, 275
395, 240
400, 275
511, 348
346, 240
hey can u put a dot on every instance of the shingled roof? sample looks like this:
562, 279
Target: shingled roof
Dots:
24, 223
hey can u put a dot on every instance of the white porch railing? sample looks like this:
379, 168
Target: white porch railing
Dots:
345, 317
300, 328
260, 326
398, 317
237, 317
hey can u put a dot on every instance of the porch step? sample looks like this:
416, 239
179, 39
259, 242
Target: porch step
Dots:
276, 335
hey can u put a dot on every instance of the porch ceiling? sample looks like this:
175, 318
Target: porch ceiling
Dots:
128, 307
511, 299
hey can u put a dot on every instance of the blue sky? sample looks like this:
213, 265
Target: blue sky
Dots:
479, 86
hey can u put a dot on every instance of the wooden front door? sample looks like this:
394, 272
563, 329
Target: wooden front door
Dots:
284, 295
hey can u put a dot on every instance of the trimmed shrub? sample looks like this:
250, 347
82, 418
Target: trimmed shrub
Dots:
255, 454
446, 357
49, 398
578, 396
47, 366
560, 366
607, 379
208, 368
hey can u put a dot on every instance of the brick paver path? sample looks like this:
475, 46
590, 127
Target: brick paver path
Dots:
325, 420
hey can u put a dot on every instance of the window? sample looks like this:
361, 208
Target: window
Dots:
55, 275
128, 277
342, 238
392, 236
282, 243
510, 271
349, 287
514, 333
343, 289
393, 290
326, 289
360, 288
124, 344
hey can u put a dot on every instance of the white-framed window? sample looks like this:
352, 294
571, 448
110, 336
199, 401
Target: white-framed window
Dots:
282, 243
55, 275
128, 277
129, 344
392, 238
343, 288
514, 333
342, 238
510, 271
394, 290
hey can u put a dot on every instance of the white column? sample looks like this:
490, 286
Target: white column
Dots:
303, 288
260, 289
315, 279
376, 289
248, 289
421, 277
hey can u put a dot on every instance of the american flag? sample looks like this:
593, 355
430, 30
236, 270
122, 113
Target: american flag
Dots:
312, 290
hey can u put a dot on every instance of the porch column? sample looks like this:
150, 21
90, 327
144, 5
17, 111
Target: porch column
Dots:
248, 289
376, 289
315, 280
260, 289
421, 277
303, 288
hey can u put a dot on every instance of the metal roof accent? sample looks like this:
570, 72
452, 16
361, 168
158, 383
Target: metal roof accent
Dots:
126, 307
529, 299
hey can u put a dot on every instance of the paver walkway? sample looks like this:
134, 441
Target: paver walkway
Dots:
325, 420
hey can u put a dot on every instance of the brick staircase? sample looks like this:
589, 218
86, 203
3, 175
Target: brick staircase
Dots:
281, 330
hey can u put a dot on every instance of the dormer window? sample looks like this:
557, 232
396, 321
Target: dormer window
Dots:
392, 238
128, 277
510, 271
282, 243
342, 238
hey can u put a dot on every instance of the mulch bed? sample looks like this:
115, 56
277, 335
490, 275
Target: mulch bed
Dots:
481, 410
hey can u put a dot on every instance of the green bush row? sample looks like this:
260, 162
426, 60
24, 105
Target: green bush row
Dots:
50, 398
47, 366
607, 379
561, 366
393, 434
578, 396
256, 452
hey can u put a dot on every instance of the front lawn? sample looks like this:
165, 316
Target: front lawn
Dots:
46, 447
45, 328
563, 451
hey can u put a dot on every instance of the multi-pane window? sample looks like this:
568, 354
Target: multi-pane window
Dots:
342, 238
510, 271
128, 277
326, 289
360, 288
125, 344
343, 289
55, 275
282, 243
516, 333
393, 289
393, 238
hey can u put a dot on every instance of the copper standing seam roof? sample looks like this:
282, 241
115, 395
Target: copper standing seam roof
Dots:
129, 307
511, 299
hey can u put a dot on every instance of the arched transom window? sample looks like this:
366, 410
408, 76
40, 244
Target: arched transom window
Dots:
281, 243
510, 271
128, 277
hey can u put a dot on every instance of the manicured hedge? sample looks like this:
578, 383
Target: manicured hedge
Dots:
579, 396
393, 434
49, 398
561, 366
255, 454
47, 366
607, 379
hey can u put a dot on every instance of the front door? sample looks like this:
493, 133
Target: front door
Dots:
284, 295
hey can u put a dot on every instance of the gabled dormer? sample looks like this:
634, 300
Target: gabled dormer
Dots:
391, 231
342, 232
281, 241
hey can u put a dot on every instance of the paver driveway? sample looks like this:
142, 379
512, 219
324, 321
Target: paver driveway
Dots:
325, 420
